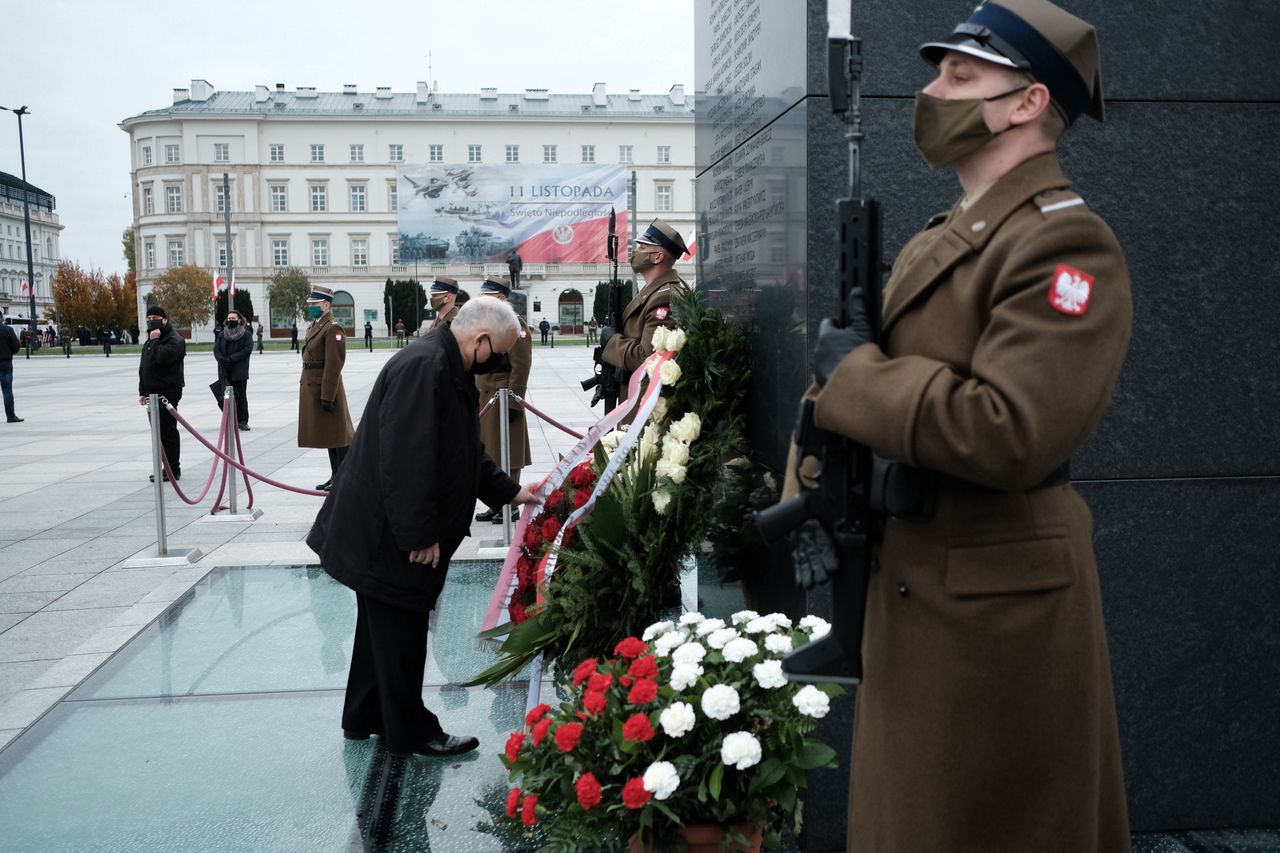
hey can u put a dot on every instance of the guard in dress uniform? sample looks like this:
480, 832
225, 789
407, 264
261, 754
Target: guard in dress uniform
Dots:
323, 418
985, 720
444, 300
512, 373
654, 258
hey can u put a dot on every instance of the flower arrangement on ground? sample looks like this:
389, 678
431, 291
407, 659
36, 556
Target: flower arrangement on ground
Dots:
691, 723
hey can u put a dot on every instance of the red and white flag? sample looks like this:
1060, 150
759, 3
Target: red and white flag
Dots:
25, 287
217, 285
231, 296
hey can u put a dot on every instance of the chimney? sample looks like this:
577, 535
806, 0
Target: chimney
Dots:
305, 92
348, 88
633, 95
424, 93
279, 87
598, 97
535, 94
489, 93
677, 95
180, 95
260, 94
201, 90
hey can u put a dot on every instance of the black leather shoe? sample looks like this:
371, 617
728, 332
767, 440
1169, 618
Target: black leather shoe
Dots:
325, 486
353, 734
16, 420
244, 427
177, 475
487, 515
515, 516
442, 745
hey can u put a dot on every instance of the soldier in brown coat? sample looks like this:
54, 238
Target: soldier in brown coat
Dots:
512, 373
985, 720
444, 300
323, 419
654, 258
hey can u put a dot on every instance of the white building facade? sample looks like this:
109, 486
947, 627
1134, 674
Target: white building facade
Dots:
313, 182
45, 231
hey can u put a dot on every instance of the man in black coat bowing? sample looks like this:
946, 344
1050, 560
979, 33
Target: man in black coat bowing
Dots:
400, 506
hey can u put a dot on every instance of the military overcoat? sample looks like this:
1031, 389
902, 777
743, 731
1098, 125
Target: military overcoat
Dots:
520, 358
323, 355
651, 308
441, 319
986, 720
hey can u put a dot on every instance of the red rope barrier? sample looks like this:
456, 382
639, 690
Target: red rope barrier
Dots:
546, 417
213, 472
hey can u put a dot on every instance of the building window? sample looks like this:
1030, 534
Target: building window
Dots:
513, 153
395, 153
148, 203
435, 153
222, 254
319, 253
171, 154
221, 152
220, 198
664, 153
358, 198
277, 152
280, 253
662, 197
149, 254
393, 196
319, 198
279, 198
395, 251
548, 154
357, 153
146, 155
177, 253
588, 153
317, 153
473, 153
625, 154
174, 196
359, 253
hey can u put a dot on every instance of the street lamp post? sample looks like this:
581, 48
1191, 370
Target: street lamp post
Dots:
26, 218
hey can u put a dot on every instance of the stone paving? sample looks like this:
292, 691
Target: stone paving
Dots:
76, 505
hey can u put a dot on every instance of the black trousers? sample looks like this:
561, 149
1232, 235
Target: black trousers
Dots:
242, 399
169, 438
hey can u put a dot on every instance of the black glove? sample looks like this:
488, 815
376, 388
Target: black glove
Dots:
814, 554
834, 343
327, 405
606, 332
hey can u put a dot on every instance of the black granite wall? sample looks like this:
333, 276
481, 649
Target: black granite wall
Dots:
1183, 474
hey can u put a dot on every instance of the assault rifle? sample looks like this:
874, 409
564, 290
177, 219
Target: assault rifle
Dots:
831, 522
607, 379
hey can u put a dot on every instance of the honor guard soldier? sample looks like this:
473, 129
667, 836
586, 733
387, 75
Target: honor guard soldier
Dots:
444, 300
512, 373
985, 720
323, 419
654, 258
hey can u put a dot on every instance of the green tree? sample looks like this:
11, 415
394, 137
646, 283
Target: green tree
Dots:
184, 293
399, 298
244, 305
122, 298
287, 291
81, 297
129, 239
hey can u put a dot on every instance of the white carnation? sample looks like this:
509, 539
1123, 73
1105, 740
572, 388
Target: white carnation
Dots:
759, 625
780, 620
675, 340
661, 500
816, 626
688, 653
672, 471
691, 618
610, 440
661, 778
736, 651
811, 702
720, 637
660, 409
685, 675
669, 373
706, 626
778, 644
740, 750
744, 616
668, 641
678, 719
657, 629
649, 441
659, 339
769, 674
720, 702
675, 451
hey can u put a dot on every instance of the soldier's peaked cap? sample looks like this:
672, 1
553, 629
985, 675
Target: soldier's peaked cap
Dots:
444, 284
1054, 46
496, 284
661, 234
320, 294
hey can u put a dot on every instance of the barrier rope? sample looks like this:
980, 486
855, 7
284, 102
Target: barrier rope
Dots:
526, 404
213, 471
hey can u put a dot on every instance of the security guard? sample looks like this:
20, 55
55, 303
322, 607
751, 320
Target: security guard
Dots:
654, 258
513, 373
986, 719
444, 298
323, 419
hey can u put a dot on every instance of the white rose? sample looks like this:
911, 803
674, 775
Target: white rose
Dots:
675, 473
816, 626
706, 626
675, 451
668, 641
659, 339
691, 427
778, 644
661, 778
669, 373
688, 653
691, 618
661, 500
779, 620
675, 340
721, 636
720, 702
811, 702
736, 651
769, 674
746, 616
657, 629
660, 409
759, 625
610, 440
678, 719
649, 441
684, 676
740, 750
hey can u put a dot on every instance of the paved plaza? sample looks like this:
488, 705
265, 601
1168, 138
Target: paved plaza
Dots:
76, 504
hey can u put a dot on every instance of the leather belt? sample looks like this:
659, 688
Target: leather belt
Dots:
313, 365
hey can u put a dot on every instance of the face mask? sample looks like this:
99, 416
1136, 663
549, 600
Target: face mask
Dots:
314, 312
946, 130
438, 302
152, 325
231, 324
641, 260
490, 365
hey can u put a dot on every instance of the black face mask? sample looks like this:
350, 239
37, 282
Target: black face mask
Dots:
152, 325
231, 324
493, 364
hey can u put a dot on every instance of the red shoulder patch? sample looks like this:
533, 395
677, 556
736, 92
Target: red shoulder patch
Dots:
661, 313
1070, 290
338, 336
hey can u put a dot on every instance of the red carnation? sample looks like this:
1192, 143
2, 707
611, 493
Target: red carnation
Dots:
568, 735
533, 537
626, 680
554, 499
646, 690
517, 611
633, 793
630, 648
594, 702
643, 667
580, 497
536, 714
513, 745
588, 791
550, 528
582, 475
513, 801
540, 730
584, 670
637, 728
600, 682
529, 812
526, 571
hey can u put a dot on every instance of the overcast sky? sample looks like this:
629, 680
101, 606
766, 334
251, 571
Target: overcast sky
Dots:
82, 66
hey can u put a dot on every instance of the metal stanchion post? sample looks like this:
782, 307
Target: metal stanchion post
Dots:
162, 556
504, 438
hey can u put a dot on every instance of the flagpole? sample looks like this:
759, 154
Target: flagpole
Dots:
231, 276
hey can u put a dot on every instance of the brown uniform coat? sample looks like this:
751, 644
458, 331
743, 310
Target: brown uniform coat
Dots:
986, 720
517, 379
326, 344
441, 319
633, 343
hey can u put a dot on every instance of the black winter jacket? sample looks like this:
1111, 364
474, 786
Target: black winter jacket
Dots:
232, 356
160, 368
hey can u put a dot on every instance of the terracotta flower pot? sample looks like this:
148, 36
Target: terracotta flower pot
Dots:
706, 838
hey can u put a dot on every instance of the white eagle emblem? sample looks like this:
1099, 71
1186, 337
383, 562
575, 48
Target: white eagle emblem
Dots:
1071, 290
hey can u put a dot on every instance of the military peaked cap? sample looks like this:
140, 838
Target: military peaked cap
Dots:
444, 284
320, 294
496, 284
661, 234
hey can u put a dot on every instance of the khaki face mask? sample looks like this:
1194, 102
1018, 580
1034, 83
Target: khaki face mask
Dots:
946, 130
640, 260
438, 302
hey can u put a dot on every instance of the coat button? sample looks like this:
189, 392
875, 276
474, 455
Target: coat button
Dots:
978, 226
903, 590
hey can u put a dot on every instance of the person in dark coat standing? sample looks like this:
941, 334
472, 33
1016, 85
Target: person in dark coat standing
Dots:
515, 264
544, 327
104, 338
293, 336
323, 419
399, 508
511, 373
160, 371
231, 351
368, 335
9, 346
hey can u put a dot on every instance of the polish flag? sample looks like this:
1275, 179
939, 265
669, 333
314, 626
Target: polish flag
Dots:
25, 287
217, 285
231, 297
